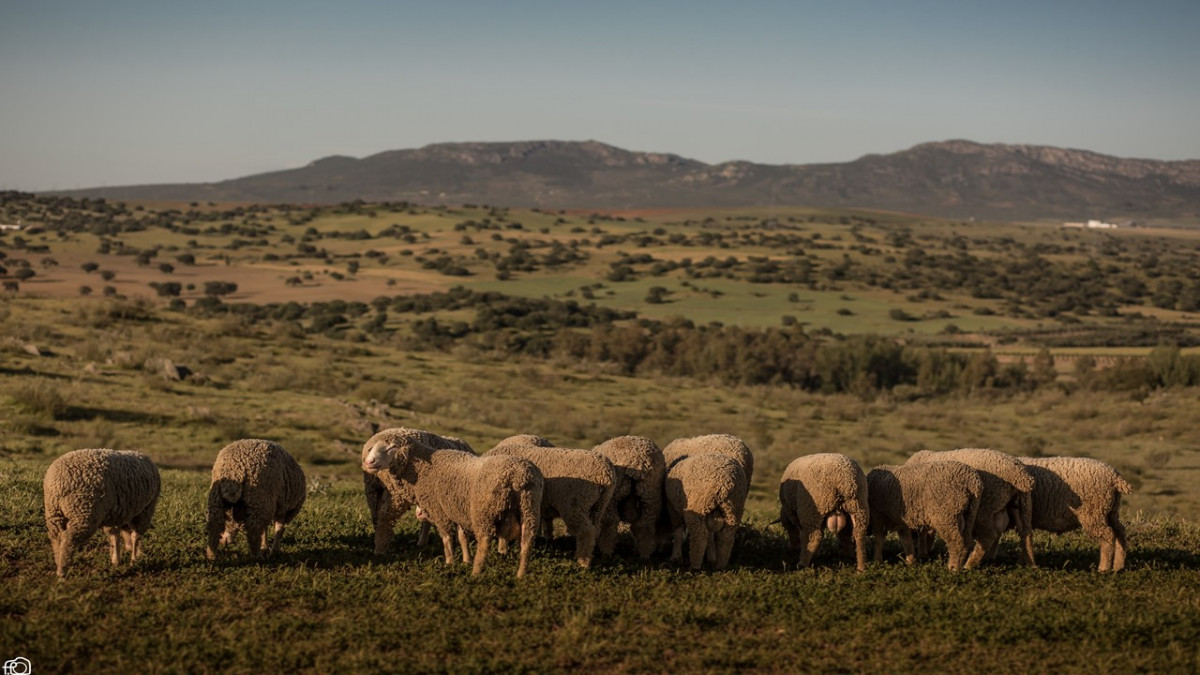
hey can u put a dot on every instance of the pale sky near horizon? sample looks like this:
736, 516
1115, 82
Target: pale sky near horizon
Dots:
121, 92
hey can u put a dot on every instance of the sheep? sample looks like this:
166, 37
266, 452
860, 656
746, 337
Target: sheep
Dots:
1006, 483
819, 491
254, 483
85, 490
723, 444
459, 490
387, 497
706, 494
579, 486
944, 496
637, 497
1071, 493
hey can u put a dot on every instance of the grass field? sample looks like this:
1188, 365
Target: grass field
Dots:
327, 604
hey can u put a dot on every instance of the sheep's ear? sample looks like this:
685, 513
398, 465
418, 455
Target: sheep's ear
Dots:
398, 454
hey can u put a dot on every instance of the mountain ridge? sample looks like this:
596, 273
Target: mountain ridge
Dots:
954, 178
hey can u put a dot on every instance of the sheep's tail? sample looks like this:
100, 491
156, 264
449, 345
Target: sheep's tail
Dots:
224, 493
1122, 485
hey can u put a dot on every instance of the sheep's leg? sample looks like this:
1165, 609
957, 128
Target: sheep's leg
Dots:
879, 532
135, 545
584, 531
812, 542
725, 537
73, 538
528, 531
906, 540
277, 537
114, 544
858, 521
1114, 521
956, 546
256, 535
697, 538
606, 542
677, 544
385, 525
423, 535
985, 539
447, 545
710, 547
465, 545
1024, 518
482, 540
54, 530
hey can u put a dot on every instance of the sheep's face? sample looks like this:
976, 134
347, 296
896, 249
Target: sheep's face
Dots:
379, 457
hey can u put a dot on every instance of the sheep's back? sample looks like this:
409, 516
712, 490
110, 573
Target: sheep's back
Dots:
718, 444
109, 486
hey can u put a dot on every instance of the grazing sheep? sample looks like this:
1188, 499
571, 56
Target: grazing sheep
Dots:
637, 497
944, 496
578, 488
460, 491
85, 490
387, 497
706, 494
721, 444
1070, 493
1007, 484
819, 491
254, 483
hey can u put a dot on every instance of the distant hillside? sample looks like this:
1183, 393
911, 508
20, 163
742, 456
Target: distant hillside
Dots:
953, 179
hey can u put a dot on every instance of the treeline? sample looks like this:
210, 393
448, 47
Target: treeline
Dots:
542, 328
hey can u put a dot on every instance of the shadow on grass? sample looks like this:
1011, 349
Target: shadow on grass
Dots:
118, 416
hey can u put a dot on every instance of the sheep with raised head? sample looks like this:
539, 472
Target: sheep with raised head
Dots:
1071, 493
824, 490
638, 494
943, 496
1007, 495
85, 490
459, 491
578, 488
255, 483
387, 497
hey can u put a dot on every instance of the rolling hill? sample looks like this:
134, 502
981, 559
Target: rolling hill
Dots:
956, 179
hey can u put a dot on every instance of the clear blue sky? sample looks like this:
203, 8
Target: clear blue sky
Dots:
116, 92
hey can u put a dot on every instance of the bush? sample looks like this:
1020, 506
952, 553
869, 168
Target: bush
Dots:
42, 398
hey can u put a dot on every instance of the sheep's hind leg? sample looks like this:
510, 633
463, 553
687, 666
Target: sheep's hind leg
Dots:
464, 544
1119, 543
697, 538
812, 542
114, 544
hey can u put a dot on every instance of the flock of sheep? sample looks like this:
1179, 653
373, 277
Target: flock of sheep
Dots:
692, 490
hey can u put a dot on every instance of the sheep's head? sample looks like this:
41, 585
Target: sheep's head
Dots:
379, 457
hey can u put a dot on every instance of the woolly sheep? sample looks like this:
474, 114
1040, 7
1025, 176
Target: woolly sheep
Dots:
819, 491
944, 496
1071, 493
706, 494
85, 490
579, 486
458, 490
254, 483
721, 444
637, 496
1006, 484
387, 497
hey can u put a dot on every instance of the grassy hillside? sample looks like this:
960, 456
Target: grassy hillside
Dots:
327, 604
320, 377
